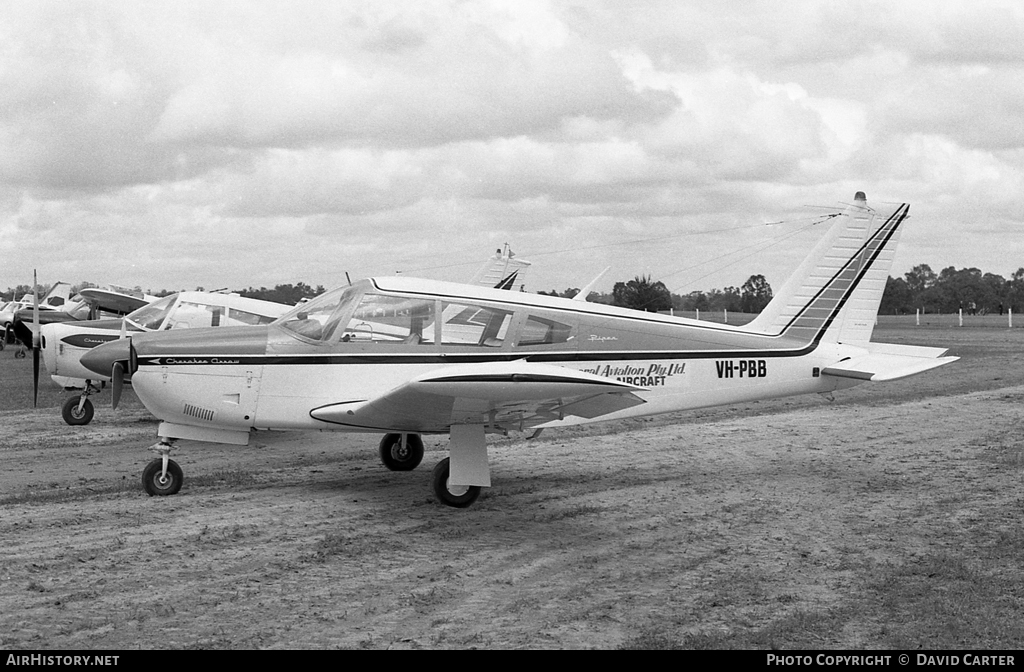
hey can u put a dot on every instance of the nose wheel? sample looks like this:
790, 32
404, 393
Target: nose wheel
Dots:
162, 476
77, 410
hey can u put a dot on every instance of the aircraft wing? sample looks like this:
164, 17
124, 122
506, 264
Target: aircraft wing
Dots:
112, 301
513, 395
884, 361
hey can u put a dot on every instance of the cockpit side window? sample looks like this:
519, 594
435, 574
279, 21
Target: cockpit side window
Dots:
241, 317
189, 314
312, 320
391, 319
152, 316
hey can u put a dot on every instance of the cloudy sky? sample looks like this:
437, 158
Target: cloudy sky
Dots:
179, 144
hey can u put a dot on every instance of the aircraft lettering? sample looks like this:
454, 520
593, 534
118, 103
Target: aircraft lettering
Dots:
652, 375
744, 368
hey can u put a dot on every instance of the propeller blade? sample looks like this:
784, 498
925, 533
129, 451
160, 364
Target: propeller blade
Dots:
35, 340
133, 358
117, 383
35, 377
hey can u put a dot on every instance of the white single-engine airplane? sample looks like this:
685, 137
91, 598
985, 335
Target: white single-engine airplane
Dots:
405, 357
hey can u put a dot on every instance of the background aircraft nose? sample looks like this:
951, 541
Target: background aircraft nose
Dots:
101, 358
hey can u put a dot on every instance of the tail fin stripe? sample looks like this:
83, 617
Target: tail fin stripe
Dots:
821, 310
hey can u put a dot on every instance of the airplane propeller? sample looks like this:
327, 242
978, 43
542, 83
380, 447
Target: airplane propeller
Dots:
118, 369
35, 340
117, 383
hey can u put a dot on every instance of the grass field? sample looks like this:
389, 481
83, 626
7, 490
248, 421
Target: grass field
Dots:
888, 519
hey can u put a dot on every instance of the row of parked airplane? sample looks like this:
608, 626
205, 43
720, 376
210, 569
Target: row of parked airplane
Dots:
405, 357
69, 327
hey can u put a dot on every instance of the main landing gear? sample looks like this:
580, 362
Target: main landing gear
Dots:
404, 452
459, 496
398, 452
401, 452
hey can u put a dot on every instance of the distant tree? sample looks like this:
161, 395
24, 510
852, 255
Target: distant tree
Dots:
897, 298
755, 294
641, 293
729, 298
920, 278
696, 300
287, 294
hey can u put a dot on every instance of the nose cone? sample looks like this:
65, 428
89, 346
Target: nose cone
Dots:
100, 360
156, 346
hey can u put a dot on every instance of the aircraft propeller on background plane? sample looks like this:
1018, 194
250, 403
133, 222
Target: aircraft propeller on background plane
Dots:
35, 340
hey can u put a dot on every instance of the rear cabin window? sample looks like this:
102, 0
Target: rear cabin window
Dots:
543, 331
467, 324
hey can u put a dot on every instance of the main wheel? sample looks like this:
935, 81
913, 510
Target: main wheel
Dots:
459, 496
397, 457
71, 413
168, 485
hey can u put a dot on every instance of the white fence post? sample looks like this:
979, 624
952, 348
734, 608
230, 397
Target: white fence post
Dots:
961, 317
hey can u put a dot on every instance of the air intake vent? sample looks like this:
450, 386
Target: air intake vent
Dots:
201, 413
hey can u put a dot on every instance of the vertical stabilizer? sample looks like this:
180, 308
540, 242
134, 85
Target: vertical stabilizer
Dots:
502, 271
834, 295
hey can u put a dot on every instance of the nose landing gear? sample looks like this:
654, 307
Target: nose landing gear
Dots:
162, 476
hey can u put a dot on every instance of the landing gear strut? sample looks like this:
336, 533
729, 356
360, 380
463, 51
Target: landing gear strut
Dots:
162, 476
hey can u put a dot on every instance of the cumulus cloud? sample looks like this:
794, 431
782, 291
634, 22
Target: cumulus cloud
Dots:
238, 143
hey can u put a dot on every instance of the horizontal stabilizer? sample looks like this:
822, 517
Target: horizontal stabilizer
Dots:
886, 361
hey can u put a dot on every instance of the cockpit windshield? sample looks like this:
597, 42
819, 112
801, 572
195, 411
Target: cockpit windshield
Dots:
318, 319
152, 316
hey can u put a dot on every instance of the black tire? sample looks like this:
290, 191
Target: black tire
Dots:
19, 354
69, 411
398, 458
447, 497
151, 478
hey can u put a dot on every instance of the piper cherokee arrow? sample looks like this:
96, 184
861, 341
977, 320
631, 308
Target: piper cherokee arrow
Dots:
404, 357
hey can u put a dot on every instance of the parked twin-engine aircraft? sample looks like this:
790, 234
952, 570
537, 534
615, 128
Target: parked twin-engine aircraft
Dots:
64, 343
406, 357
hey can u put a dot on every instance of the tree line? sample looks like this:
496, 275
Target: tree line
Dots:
947, 291
952, 290
643, 293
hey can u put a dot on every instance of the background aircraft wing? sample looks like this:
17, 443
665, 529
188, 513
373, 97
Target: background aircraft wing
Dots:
113, 301
512, 395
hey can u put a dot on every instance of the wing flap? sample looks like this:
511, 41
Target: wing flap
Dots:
513, 394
